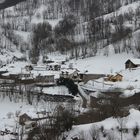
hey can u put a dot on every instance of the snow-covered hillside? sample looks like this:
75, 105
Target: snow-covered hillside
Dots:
20, 20
84, 38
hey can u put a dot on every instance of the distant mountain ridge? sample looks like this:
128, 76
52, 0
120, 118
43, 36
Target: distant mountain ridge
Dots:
9, 3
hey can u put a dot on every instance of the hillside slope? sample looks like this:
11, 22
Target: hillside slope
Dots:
76, 30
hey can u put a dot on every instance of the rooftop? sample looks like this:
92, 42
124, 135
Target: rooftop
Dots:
135, 61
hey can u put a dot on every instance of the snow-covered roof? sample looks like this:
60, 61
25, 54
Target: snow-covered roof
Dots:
135, 61
53, 64
70, 71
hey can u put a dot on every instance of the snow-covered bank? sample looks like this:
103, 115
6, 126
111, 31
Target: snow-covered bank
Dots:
110, 128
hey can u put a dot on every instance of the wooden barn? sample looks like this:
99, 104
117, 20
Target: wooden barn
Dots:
114, 78
132, 63
24, 118
117, 77
27, 123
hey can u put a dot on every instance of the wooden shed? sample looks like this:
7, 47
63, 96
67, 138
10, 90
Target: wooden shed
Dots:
29, 67
53, 67
117, 77
132, 63
24, 118
114, 78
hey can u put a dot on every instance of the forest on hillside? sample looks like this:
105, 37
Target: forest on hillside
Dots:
84, 27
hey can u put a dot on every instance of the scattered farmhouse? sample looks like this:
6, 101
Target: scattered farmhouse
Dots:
132, 63
27, 122
78, 76
53, 66
24, 118
28, 67
71, 74
23, 76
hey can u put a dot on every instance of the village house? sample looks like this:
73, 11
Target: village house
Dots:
71, 74
27, 122
24, 118
28, 67
24, 76
132, 63
53, 67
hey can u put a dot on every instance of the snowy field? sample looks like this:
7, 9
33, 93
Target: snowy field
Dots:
102, 64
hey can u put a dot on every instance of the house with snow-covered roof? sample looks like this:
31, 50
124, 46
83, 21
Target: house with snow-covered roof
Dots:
71, 74
53, 66
132, 63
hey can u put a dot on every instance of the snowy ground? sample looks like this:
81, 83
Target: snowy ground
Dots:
10, 112
129, 85
102, 64
59, 90
110, 128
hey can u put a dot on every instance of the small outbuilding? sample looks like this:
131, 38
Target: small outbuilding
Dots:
29, 67
53, 67
24, 118
117, 77
132, 63
114, 78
